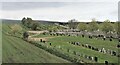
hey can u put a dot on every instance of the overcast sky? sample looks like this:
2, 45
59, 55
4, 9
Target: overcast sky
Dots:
61, 11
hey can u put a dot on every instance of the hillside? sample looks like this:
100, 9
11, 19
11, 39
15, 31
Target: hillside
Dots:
15, 50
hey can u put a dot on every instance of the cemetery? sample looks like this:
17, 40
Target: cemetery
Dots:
78, 46
76, 43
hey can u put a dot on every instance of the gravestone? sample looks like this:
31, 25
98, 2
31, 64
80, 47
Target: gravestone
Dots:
85, 56
44, 41
96, 59
111, 52
114, 53
118, 46
83, 45
100, 50
89, 46
106, 62
82, 35
110, 39
92, 58
40, 40
104, 38
99, 35
86, 45
89, 36
50, 44
96, 49
68, 50
92, 48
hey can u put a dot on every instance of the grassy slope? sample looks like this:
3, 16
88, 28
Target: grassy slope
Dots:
0, 41
63, 42
15, 50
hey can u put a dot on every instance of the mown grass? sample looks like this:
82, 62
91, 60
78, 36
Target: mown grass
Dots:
62, 41
16, 50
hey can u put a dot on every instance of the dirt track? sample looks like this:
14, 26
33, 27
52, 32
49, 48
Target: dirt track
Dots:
31, 38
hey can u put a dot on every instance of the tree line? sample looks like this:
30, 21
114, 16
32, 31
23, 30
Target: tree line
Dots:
107, 26
28, 22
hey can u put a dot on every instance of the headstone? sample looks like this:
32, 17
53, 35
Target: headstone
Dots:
83, 45
82, 35
40, 40
111, 52
106, 62
103, 50
89, 36
86, 56
110, 39
89, 46
50, 44
96, 59
86, 45
44, 41
103, 38
99, 36
118, 46
114, 53
96, 49
68, 50
92, 48
92, 58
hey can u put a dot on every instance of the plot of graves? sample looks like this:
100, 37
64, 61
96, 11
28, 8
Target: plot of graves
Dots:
84, 48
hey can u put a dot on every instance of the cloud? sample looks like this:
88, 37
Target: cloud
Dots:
59, 0
82, 11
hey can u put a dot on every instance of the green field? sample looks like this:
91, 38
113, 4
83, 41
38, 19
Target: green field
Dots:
16, 50
62, 41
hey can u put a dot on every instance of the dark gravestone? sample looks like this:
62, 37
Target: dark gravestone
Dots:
99, 35
118, 46
44, 41
72, 43
90, 58
104, 38
82, 35
68, 35
111, 36
118, 55
86, 56
93, 48
110, 39
96, 59
74, 52
106, 62
50, 43
44, 33
89, 46
40, 40
53, 34
114, 53
77, 43
96, 49
89, 36
68, 50
57, 34
82, 45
